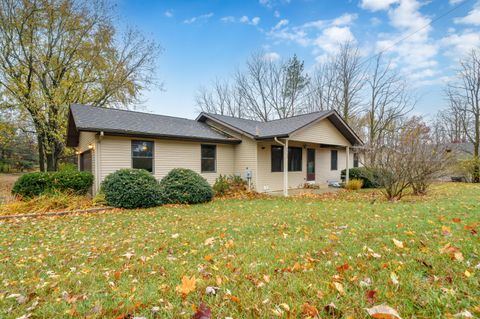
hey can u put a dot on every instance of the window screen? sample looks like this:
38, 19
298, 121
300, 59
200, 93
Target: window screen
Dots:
142, 155
209, 155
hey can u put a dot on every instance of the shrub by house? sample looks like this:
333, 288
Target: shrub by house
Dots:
131, 188
184, 186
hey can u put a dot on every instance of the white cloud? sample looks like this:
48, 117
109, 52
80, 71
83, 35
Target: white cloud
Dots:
375, 21
276, 14
454, 2
200, 18
280, 24
376, 5
331, 39
410, 46
458, 45
168, 13
255, 20
473, 17
228, 19
271, 56
243, 19
322, 36
345, 19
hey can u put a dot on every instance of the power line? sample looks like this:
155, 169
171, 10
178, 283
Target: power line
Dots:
461, 4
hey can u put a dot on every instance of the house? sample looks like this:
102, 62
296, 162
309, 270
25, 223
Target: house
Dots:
313, 147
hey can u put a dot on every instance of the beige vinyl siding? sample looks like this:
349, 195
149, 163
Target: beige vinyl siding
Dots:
323, 172
245, 154
322, 132
116, 153
173, 154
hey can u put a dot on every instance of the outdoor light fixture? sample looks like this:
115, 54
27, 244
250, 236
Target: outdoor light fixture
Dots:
90, 146
77, 152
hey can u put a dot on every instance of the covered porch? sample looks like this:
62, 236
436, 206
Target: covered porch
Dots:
286, 165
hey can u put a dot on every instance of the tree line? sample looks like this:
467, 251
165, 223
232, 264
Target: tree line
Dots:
54, 53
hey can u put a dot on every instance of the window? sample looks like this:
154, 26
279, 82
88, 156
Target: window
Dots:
294, 159
334, 160
142, 155
86, 161
209, 158
355, 159
277, 158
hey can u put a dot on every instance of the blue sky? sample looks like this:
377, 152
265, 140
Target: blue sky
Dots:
204, 40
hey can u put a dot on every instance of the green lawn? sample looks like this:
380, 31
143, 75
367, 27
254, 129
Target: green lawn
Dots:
267, 256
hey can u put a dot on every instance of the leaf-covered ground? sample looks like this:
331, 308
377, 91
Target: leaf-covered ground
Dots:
260, 258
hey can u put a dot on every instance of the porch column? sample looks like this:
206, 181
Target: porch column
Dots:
285, 168
347, 168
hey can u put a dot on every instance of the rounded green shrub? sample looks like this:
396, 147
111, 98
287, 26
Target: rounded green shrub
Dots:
369, 176
131, 188
184, 186
33, 184
72, 181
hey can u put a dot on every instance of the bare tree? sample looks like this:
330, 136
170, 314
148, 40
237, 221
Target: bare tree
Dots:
264, 90
223, 98
388, 102
349, 81
464, 97
322, 89
409, 158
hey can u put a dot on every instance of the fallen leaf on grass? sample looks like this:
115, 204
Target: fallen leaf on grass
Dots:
343, 267
371, 296
397, 243
187, 285
203, 312
383, 312
332, 310
209, 241
339, 287
453, 251
394, 278
464, 314
309, 311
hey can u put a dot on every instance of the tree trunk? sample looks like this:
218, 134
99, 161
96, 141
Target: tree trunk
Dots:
41, 154
51, 162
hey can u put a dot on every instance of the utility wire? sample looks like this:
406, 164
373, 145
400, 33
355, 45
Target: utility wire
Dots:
458, 6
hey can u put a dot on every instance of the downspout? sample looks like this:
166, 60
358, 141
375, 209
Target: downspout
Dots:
97, 162
285, 165
347, 166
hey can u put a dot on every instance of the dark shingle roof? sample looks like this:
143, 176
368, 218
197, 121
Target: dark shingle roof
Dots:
282, 127
272, 128
90, 118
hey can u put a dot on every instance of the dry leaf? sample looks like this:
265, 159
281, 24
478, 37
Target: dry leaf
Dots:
394, 278
309, 311
339, 288
397, 243
187, 285
383, 312
203, 312
371, 296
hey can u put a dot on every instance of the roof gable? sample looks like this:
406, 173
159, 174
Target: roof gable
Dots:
282, 127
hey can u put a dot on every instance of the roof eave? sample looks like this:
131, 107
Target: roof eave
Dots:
202, 116
160, 136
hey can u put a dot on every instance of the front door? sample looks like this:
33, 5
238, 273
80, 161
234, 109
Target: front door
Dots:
310, 164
